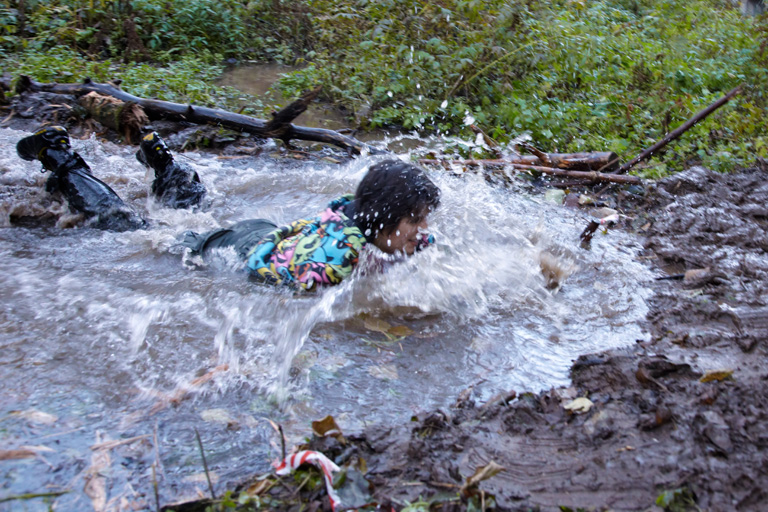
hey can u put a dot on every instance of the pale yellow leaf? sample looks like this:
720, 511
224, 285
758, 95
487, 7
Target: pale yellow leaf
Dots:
579, 405
35, 416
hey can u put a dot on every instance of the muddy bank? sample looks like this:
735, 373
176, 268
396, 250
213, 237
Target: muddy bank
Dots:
676, 423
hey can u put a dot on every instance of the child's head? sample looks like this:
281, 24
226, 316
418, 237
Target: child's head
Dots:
392, 204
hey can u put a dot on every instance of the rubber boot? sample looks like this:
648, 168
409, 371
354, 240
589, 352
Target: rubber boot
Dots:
72, 177
175, 185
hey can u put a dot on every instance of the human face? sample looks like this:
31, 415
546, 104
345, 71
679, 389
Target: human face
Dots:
404, 238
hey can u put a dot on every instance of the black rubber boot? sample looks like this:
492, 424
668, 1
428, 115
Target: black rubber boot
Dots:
175, 185
72, 177
52, 137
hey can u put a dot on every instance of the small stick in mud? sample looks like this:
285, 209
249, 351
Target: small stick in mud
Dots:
205, 464
282, 440
154, 488
30, 496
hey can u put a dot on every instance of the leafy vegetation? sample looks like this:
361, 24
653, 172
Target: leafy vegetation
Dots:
575, 75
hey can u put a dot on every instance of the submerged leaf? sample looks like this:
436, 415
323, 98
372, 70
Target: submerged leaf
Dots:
378, 325
217, 416
36, 416
17, 454
401, 331
384, 372
717, 375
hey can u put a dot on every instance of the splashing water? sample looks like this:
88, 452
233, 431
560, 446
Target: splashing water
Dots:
117, 333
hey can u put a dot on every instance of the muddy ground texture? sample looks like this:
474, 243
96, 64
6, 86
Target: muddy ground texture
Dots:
675, 423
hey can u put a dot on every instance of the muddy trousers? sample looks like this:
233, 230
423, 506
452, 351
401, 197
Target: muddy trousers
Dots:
87, 194
242, 237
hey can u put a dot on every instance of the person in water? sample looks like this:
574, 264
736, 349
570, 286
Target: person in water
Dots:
175, 185
389, 211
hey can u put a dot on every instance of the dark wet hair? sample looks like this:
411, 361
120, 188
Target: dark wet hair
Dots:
391, 191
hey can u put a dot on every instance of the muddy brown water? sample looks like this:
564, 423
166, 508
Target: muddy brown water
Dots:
106, 334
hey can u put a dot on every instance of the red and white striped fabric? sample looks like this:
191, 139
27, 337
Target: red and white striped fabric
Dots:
292, 462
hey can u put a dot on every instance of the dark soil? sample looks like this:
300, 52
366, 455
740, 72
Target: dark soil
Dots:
663, 430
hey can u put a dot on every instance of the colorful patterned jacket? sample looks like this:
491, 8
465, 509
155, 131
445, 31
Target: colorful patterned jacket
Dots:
310, 252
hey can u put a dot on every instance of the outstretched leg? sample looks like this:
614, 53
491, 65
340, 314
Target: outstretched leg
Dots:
72, 177
175, 185
242, 237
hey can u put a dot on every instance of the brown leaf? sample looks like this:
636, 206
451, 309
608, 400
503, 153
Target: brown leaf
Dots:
482, 473
17, 454
259, 487
325, 426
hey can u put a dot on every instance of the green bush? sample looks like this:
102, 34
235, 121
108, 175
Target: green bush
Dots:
575, 75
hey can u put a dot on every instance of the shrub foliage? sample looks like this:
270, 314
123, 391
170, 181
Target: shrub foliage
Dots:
574, 75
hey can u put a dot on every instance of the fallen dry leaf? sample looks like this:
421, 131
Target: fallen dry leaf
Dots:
325, 426
482, 473
579, 405
35, 416
21, 453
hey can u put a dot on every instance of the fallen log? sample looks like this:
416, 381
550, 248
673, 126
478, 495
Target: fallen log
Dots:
125, 117
280, 127
592, 176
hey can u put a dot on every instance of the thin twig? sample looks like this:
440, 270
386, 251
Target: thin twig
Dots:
282, 439
154, 488
205, 464
30, 496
